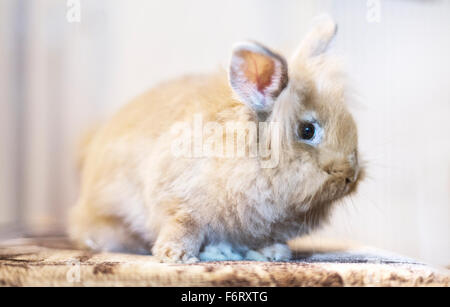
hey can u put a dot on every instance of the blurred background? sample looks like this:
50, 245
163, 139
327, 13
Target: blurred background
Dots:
61, 72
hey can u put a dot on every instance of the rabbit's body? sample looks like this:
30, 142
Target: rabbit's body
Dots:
136, 196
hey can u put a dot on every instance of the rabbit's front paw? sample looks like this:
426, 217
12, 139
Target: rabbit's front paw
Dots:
173, 253
178, 241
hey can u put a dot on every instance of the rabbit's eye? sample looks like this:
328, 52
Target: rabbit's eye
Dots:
307, 131
310, 132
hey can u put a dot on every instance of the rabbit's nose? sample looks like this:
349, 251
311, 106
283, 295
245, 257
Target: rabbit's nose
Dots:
345, 168
352, 175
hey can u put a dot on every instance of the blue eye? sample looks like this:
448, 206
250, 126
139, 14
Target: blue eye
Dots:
310, 132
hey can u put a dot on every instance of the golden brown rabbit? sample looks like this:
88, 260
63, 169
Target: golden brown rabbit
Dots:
143, 191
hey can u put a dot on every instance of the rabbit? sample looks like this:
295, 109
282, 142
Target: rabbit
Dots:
139, 195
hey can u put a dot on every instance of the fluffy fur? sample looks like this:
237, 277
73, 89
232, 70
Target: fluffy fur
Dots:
137, 197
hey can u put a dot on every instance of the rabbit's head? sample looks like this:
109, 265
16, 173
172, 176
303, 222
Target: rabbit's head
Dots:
307, 98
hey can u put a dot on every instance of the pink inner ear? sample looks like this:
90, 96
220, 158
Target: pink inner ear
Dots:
262, 79
258, 69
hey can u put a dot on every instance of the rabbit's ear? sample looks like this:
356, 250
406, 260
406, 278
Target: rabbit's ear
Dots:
257, 75
317, 40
